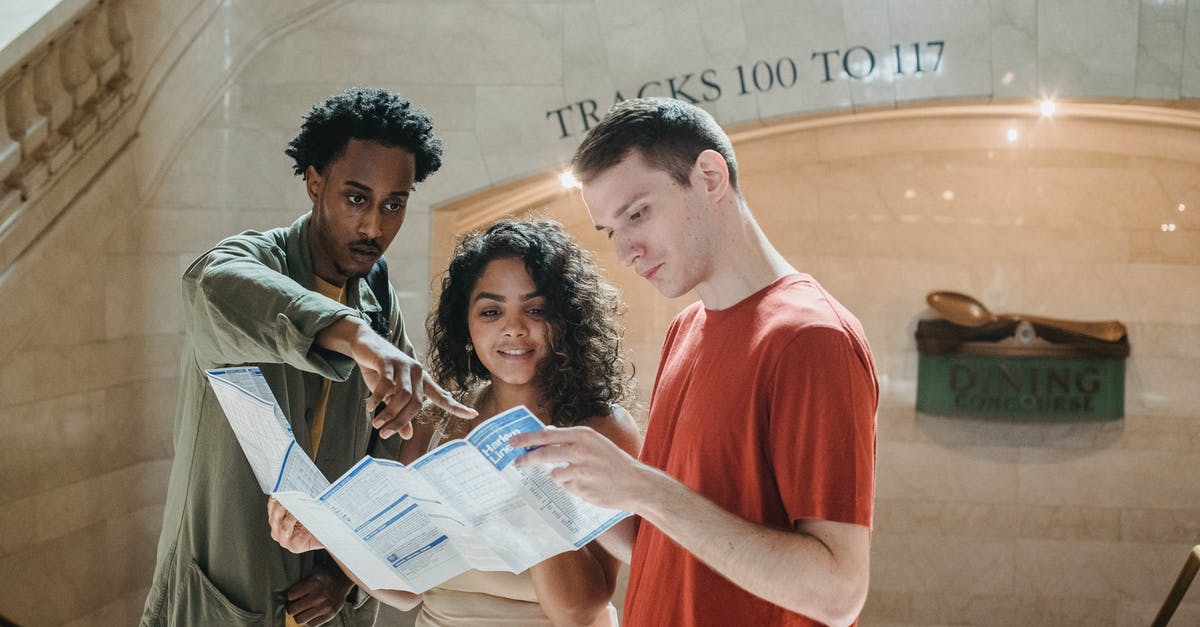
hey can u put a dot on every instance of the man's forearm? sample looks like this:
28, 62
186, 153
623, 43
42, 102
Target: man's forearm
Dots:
822, 579
340, 336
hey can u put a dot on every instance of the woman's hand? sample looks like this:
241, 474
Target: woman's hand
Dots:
288, 531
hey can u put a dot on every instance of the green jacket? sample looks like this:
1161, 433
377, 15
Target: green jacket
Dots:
250, 300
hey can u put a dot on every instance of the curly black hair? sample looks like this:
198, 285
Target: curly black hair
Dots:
365, 113
587, 369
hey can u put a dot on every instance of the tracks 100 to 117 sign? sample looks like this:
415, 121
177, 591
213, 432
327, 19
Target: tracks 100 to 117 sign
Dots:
763, 76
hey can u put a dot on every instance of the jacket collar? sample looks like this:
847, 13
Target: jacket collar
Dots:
300, 267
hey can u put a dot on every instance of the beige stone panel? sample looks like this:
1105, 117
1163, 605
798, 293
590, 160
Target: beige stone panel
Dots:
1160, 39
52, 315
1137, 193
905, 517
63, 510
945, 565
1097, 570
274, 107
965, 66
903, 138
766, 160
498, 43
86, 569
894, 288
1014, 610
84, 434
643, 40
1113, 138
55, 433
1111, 478
18, 376
513, 130
886, 605
1085, 194
927, 471
907, 425
866, 24
586, 73
77, 313
191, 231
1191, 52
1157, 246
1127, 292
204, 49
786, 35
950, 243
1161, 525
245, 104
232, 169
463, 169
141, 415
997, 520
1159, 432
142, 296
153, 23
140, 358
1014, 48
1162, 387
1098, 59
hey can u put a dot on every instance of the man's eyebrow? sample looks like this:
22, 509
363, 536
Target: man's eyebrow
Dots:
624, 209
367, 188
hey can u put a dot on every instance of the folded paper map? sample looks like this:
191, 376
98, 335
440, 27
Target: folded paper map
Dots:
461, 506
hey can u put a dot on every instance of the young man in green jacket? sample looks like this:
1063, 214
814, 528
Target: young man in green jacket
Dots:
295, 302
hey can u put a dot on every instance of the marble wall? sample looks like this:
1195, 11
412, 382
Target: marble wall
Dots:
978, 523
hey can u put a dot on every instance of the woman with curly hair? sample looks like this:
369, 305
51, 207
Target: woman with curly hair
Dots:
525, 319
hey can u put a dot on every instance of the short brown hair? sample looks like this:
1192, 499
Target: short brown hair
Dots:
670, 134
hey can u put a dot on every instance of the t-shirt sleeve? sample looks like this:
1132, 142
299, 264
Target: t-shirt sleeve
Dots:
822, 399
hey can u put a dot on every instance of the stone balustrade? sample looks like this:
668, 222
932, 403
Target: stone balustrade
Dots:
55, 101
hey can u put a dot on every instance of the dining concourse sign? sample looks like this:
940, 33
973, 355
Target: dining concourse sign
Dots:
1013, 368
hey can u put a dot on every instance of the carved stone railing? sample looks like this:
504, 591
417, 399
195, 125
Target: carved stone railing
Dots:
56, 100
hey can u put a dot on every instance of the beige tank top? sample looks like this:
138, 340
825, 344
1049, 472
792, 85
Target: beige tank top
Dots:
488, 598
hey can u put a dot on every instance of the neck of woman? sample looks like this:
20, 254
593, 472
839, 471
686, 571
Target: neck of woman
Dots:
499, 396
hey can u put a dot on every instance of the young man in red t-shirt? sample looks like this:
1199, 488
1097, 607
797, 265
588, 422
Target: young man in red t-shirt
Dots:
755, 487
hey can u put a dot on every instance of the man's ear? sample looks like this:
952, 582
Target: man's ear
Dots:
713, 172
313, 183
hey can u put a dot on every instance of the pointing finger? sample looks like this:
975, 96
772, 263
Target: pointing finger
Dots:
445, 400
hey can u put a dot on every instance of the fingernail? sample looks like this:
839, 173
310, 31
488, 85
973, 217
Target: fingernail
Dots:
377, 423
386, 434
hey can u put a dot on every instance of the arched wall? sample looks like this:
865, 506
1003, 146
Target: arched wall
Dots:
223, 84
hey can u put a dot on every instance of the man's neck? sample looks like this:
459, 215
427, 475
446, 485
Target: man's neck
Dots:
323, 266
744, 261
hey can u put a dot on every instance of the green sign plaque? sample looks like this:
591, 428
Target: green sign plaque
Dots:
1021, 387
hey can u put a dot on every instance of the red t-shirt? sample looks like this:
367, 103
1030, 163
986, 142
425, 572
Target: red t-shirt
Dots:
767, 408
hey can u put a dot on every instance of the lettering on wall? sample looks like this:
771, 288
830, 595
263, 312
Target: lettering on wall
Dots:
1003, 386
763, 76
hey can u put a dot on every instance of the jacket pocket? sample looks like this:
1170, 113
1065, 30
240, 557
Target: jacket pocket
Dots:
201, 603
